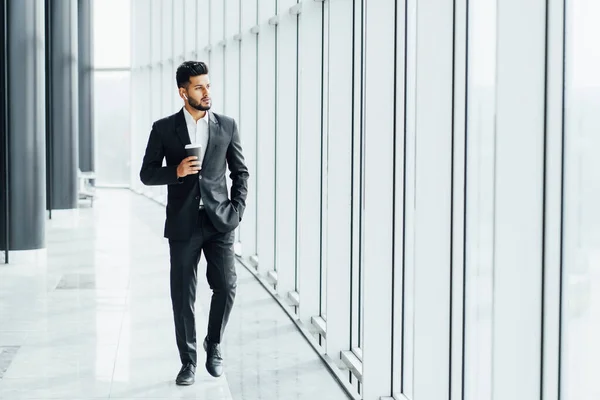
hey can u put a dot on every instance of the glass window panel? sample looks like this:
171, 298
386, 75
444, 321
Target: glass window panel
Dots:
286, 153
408, 299
112, 33
203, 30
480, 199
216, 22
232, 18
180, 31
324, 161
190, 28
266, 116
167, 34
156, 31
357, 176
111, 127
581, 263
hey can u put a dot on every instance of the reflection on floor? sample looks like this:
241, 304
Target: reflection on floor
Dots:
93, 319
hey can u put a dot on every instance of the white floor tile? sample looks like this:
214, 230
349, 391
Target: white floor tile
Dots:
94, 320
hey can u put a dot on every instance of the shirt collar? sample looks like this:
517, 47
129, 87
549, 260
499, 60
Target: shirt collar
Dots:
190, 120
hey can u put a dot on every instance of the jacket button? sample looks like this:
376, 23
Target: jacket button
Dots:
197, 197
200, 177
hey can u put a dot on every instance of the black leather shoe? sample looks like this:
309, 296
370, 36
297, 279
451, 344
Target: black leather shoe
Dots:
214, 361
187, 375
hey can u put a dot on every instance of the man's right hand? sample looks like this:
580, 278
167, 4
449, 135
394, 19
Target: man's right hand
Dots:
188, 166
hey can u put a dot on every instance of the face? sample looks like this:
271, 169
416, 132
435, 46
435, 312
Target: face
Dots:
198, 92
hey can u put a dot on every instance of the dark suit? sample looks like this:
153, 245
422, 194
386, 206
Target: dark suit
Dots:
191, 231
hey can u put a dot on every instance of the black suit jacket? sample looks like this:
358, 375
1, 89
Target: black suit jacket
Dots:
167, 141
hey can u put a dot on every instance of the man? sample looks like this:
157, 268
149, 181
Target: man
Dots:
200, 214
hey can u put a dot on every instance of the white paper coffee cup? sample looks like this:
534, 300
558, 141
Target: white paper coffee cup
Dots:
194, 150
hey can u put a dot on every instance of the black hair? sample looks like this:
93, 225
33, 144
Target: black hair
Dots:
188, 69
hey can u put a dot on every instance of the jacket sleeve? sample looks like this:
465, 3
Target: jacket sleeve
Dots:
239, 172
152, 172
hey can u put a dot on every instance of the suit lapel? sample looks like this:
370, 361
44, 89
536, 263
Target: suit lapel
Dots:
181, 128
213, 129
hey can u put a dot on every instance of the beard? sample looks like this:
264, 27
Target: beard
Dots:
198, 105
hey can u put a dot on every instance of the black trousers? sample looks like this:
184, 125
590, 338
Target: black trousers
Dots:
221, 276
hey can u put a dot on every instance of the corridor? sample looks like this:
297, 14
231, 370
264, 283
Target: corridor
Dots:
92, 319
416, 186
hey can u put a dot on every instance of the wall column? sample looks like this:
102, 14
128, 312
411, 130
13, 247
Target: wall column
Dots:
25, 111
64, 105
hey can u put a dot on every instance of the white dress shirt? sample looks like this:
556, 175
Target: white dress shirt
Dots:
198, 132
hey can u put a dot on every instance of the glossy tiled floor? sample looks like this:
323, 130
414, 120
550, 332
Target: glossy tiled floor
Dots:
92, 319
